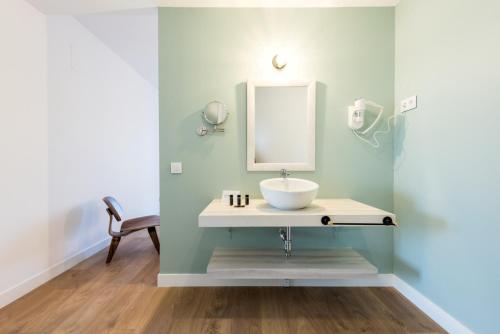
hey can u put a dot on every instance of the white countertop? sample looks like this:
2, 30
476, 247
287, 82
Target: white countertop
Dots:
342, 212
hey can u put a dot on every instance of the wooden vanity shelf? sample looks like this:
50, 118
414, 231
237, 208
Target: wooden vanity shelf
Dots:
302, 264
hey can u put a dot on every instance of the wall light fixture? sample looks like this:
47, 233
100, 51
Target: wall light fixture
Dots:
279, 62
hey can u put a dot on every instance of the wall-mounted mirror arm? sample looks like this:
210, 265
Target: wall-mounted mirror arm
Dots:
214, 114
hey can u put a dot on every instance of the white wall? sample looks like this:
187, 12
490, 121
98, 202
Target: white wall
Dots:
103, 134
129, 34
79, 122
23, 143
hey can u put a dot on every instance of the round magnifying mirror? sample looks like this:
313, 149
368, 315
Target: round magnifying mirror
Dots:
215, 113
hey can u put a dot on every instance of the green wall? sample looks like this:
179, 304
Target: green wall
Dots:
209, 54
447, 158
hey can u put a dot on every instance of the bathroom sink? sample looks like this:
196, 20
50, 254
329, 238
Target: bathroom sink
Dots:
289, 193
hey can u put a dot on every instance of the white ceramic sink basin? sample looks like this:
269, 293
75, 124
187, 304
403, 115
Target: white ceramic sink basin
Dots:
289, 193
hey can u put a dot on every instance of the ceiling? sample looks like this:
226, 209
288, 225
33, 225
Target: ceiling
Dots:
94, 6
88, 6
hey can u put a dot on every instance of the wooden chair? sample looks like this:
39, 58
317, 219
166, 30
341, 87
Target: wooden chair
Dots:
115, 211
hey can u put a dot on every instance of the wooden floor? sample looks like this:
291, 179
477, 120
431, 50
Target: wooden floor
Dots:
122, 298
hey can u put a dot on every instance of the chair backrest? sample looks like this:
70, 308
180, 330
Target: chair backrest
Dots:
114, 207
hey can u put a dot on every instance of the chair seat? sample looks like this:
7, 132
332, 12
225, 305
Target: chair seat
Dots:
140, 223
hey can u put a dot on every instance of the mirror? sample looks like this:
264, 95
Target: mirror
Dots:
215, 113
281, 126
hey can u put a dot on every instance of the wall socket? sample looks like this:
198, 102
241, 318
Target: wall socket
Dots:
409, 103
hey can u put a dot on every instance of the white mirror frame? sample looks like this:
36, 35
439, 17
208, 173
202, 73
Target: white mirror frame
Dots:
310, 165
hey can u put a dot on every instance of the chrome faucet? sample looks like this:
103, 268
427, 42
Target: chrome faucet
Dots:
284, 174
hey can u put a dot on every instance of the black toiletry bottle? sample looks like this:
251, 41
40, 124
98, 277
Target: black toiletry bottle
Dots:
247, 199
231, 200
238, 200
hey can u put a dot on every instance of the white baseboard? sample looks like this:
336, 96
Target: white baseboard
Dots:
19, 290
199, 280
436, 313
194, 280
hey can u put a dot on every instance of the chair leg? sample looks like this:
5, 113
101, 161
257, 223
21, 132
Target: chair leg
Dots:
154, 238
112, 248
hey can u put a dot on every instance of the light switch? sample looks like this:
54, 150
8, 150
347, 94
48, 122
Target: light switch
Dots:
176, 168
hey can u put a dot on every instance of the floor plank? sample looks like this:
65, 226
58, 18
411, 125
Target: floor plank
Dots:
122, 297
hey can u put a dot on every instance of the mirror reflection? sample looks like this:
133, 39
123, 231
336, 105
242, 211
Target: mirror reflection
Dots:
215, 113
281, 124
